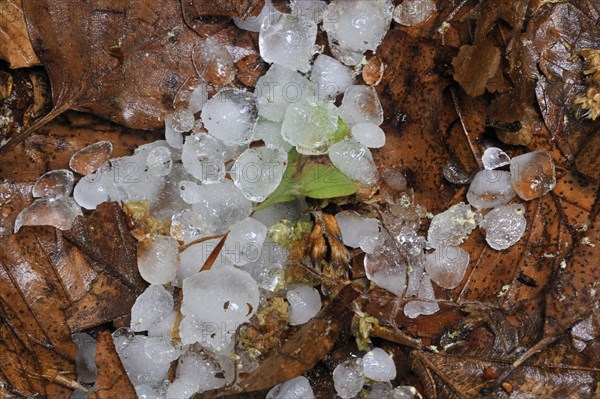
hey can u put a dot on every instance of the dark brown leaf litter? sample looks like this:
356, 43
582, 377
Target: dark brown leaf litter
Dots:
483, 324
51, 287
126, 66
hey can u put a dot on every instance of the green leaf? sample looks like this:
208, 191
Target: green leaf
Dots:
342, 132
323, 181
309, 177
288, 188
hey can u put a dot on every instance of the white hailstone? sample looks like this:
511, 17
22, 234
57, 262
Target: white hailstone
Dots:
144, 150
96, 188
193, 258
386, 268
348, 378
204, 370
287, 40
309, 126
356, 230
309, 9
258, 171
163, 328
268, 269
455, 174
230, 116
453, 226
144, 391
270, 133
446, 266
253, 23
490, 188
412, 245
344, 55
203, 157
292, 211
305, 303
358, 25
173, 137
90, 158
140, 369
380, 390
585, 330
405, 392
354, 160
53, 184
504, 226
378, 365
296, 388
213, 62
427, 306
190, 192
360, 104
234, 151
182, 120
244, 241
158, 259
278, 88
215, 298
85, 361
192, 94
220, 206
187, 226
59, 212
132, 179
159, 161
413, 12
369, 135
153, 305
331, 76
532, 174
162, 349
181, 389
494, 157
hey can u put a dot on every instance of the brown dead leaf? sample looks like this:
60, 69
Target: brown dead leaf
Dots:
475, 65
123, 61
111, 249
411, 96
299, 353
16, 48
236, 8
54, 144
112, 380
554, 38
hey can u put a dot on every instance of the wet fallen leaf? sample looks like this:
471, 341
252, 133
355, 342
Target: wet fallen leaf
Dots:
411, 96
112, 380
16, 48
88, 64
299, 353
236, 8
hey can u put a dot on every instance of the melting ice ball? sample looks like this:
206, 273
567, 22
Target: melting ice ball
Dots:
378, 365
504, 226
287, 40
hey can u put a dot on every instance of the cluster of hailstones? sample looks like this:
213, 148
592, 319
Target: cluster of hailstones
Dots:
185, 179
